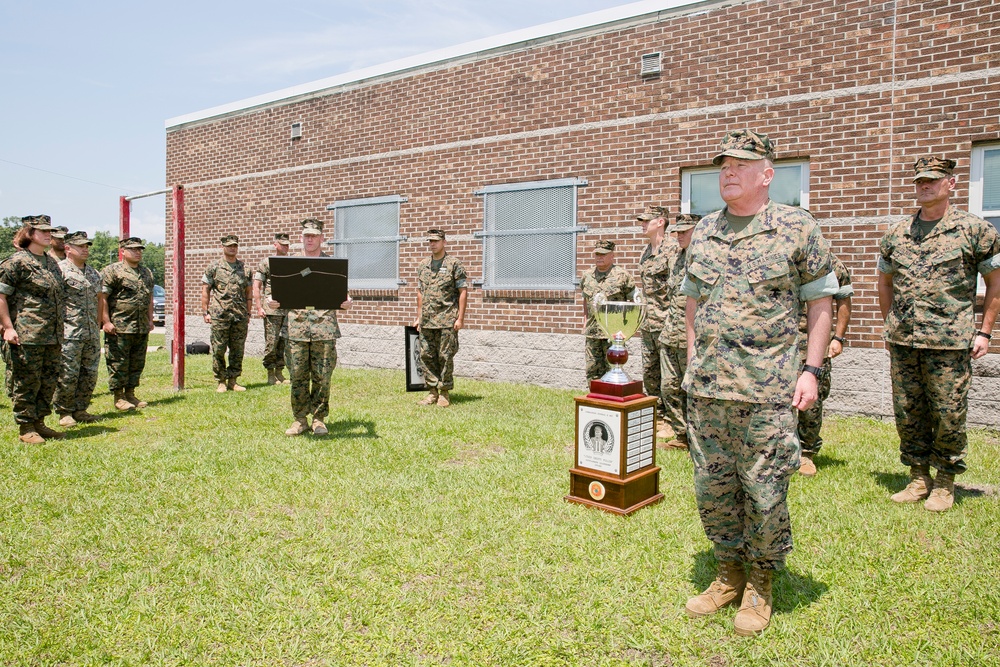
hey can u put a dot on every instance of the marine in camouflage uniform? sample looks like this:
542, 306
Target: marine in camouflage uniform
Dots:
81, 348
311, 349
31, 314
615, 284
225, 300
274, 319
653, 267
750, 269
673, 337
125, 308
811, 420
441, 295
927, 288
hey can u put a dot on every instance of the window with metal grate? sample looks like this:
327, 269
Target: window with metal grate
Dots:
366, 233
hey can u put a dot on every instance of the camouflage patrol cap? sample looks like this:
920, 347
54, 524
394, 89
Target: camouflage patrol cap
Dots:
933, 168
282, 238
132, 243
230, 239
312, 226
684, 222
645, 217
78, 238
42, 223
435, 235
745, 145
659, 211
60, 232
604, 247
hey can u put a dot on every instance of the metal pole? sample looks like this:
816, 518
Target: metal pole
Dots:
124, 220
177, 298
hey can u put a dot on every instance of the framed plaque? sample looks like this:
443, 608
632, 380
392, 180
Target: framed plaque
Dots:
308, 282
414, 371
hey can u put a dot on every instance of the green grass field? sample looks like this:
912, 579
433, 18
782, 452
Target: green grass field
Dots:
196, 533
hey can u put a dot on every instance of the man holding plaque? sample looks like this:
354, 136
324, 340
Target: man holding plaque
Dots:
274, 344
612, 281
311, 348
751, 269
225, 301
441, 295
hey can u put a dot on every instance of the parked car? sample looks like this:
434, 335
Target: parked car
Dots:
159, 305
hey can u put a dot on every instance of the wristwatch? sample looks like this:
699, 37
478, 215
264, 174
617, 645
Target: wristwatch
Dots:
985, 335
839, 340
815, 370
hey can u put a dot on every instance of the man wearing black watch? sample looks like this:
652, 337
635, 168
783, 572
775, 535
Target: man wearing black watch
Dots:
811, 420
926, 292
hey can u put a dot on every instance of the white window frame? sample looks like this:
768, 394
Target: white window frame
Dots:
803, 182
491, 260
977, 191
340, 242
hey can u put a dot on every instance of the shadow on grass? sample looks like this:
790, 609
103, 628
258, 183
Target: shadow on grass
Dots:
352, 428
791, 589
458, 399
824, 461
173, 398
897, 481
89, 431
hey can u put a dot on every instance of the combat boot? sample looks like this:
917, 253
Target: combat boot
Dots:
919, 487
755, 612
67, 420
271, 378
664, 432
120, 402
29, 435
46, 432
443, 399
943, 495
726, 588
221, 389
807, 468
298, 427
279, 377
319, 428
131, 398
84, 416
232, 386
430, 399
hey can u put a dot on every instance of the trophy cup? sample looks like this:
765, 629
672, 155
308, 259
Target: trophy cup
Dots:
619, 320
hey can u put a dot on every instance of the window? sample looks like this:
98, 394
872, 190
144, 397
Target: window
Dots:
529, 235
366, 233
700, 187
984, 188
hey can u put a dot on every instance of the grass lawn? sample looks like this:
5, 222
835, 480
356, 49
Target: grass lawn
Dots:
196, 533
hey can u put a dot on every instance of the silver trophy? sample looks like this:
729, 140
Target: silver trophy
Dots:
619, 320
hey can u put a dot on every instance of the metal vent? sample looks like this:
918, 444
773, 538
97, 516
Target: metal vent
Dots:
651, 64
297, 129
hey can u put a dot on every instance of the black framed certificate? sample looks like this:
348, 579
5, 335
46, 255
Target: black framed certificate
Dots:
414, 371
308, 282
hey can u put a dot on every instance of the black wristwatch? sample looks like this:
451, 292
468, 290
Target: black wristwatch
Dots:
985, 335
815, 370
839, 340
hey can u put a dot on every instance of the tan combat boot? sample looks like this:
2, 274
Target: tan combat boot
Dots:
221, 389
807, 468
943, 495
319, 428
67, 420
919, 487
755, 612
46, 432
271, 380
120, 402
232, 386
131, 398
298, 427
29, 435
443, 399
84, 416
279, 377
430, 399
726, 588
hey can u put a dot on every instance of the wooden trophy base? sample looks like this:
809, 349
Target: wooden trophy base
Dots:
613, 494
622, 393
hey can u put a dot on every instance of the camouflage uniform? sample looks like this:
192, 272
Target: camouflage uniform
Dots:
230, 315
930, 329
811, 420
438, 342
129, 292
311, 356
615, 285
673, 346
653, 271
34, 288
81, 349
274, 344
749, 287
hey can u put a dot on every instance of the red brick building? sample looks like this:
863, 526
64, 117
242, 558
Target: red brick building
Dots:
531, 146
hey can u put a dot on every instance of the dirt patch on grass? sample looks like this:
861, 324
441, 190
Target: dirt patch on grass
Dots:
472, 453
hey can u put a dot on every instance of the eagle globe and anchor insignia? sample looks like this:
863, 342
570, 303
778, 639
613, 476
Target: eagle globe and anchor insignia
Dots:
615, 458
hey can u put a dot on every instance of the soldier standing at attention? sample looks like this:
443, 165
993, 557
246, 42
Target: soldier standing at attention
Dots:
441, 294
653, 277
274, 344
125, 309
811, 420
615, 284
57, 250
927, 294
673, 339
311, 349
225, 301
31, 314
751, 269
81, 348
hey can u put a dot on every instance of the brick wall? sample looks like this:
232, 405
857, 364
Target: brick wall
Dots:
859, 89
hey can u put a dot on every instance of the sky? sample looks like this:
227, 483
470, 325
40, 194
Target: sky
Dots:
87, 86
